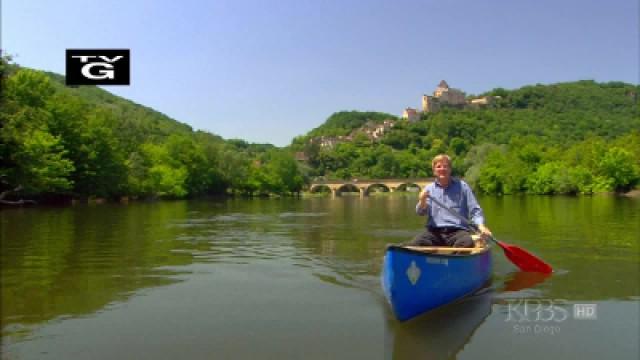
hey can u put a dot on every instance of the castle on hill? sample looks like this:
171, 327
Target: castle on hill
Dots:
444, 96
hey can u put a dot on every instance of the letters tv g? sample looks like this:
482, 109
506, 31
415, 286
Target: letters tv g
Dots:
98, 67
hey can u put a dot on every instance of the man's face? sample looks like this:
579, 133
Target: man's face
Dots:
442, 169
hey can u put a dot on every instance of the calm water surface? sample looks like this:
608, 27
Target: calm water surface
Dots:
299, 278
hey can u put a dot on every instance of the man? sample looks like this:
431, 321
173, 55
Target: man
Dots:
444, 229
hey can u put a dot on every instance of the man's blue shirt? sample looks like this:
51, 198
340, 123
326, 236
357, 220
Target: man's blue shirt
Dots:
459, 197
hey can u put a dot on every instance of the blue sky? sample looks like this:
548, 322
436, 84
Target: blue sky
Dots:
266, 71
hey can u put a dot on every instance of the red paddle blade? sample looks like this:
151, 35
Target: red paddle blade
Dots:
524, 260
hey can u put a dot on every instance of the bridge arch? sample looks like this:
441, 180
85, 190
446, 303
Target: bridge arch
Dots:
317, 188
365, 186
406, 186
348, 187
373, 186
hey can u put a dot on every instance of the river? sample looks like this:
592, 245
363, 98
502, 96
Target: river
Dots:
299, 278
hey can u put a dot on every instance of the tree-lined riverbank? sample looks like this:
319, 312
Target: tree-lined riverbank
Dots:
60, 143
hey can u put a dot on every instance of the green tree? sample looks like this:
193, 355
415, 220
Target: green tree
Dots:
282, 173
31, 157
618, 166
166, 177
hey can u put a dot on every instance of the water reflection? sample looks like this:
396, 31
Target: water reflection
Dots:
521, 280
440, 334
70, 262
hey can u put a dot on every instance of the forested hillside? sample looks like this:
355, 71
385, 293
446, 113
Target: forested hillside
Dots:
343, 122
58, 142
579, 137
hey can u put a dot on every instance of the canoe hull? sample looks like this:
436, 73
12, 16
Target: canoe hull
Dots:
415, 282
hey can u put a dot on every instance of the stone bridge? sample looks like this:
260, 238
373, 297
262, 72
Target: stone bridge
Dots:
364, 186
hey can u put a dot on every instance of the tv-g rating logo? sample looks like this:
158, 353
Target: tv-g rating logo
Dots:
98, 67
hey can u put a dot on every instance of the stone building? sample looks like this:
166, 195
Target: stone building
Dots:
443, 95
329, 142
483, 101
301, 156
411, 114
374, 131
430, 104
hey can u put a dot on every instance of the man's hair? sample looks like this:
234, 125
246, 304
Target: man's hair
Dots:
439, 158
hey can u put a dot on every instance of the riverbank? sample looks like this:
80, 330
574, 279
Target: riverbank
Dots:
68, 201
633, 193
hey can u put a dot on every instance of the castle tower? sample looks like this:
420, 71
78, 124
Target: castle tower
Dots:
443, 87
425, 103
430, 104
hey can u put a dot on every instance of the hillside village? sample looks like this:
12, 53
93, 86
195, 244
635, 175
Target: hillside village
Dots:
443, 96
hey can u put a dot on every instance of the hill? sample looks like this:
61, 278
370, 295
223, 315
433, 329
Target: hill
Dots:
136, 122
511, 146
344, 122
58, 142
61, 142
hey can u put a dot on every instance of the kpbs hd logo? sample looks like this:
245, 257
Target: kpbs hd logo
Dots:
98, 67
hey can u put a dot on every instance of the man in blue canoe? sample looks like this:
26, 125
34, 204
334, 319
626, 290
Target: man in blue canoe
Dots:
444, 229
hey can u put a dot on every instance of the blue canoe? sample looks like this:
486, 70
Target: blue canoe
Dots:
419, 279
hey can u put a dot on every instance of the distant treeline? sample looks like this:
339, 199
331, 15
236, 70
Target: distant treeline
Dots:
58, 142
567, 138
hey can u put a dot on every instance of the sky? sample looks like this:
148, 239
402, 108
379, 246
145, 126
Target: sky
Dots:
268, 70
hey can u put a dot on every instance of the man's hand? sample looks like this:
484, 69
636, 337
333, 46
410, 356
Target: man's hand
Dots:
423, 198
485, 233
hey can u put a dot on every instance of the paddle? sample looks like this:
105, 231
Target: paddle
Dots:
518, 256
